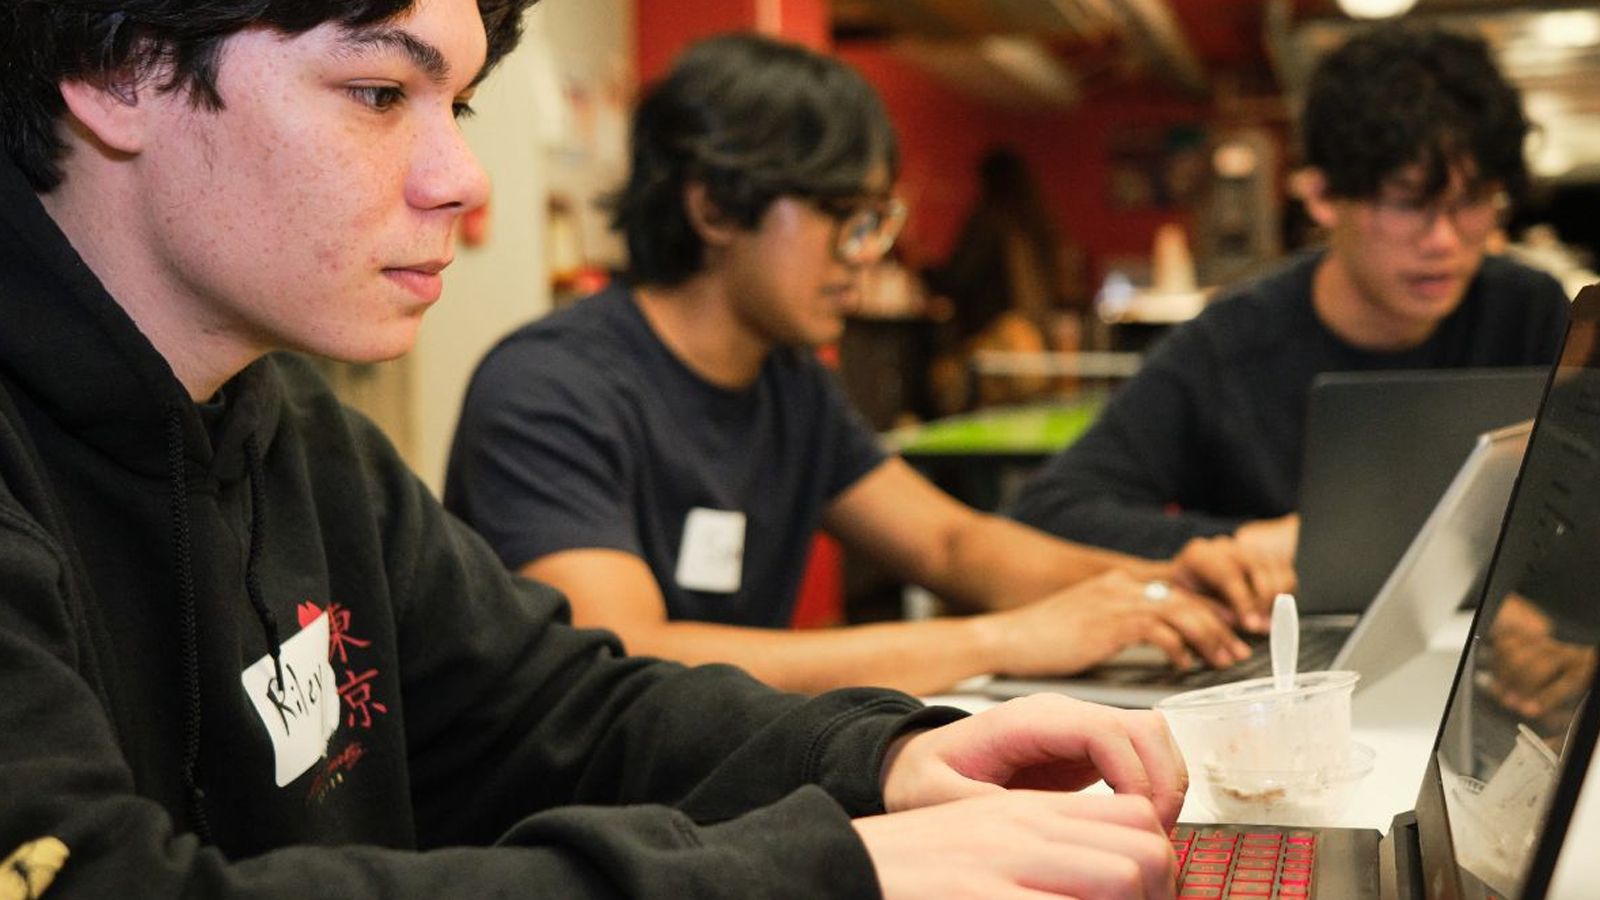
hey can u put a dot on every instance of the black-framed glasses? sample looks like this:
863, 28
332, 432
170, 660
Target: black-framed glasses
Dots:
1472, 215
864, 230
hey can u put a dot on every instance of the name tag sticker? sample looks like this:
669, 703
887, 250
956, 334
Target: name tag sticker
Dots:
711, 556
303, 712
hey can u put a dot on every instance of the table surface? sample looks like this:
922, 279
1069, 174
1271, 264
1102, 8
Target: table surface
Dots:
1031, 430
1398, 717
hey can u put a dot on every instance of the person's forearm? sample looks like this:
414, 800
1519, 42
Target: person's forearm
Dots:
995, 563
915, 657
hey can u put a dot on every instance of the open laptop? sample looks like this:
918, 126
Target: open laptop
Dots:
1388, 440
1441, 568
1502, 782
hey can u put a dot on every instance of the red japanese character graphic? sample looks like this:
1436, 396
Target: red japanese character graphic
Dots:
357, 692
339, 633
357, 688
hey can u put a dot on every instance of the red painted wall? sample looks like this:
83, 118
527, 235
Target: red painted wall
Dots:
805, 21
943, 134
663, 29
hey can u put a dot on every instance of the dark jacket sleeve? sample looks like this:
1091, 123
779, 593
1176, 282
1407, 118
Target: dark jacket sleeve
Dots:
1119, 485
599, 775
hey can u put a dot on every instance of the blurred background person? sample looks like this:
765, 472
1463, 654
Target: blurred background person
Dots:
1012, 283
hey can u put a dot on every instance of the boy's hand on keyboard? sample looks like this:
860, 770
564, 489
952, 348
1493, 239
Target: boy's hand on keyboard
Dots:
1046, 741
1022, 844
1090, 622
1236, 572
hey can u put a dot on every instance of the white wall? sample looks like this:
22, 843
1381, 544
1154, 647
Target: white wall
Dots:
492, 288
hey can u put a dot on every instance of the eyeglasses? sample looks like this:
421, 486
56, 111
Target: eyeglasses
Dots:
1472, 216
863, 232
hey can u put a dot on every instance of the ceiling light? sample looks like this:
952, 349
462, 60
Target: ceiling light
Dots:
1030, 63
1571, 28
1548, 156
1235, 159
1375, 9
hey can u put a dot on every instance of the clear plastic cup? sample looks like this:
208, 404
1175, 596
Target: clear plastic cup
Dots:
1257, 754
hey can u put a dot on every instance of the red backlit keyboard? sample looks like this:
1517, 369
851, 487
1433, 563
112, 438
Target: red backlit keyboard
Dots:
1250, 864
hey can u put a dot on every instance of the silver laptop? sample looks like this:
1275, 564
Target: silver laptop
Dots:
1441, 568
1388, 440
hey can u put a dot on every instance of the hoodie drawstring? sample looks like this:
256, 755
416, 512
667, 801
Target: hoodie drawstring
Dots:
187, 604
252, 578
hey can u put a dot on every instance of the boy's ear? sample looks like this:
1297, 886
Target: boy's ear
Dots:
715, 227
109, 115
1311, 186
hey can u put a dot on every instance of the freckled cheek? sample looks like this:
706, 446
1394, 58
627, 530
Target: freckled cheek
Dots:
346, 235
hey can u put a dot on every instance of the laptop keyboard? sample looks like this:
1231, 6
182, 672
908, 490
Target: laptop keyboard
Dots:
1318, 647
1257, 862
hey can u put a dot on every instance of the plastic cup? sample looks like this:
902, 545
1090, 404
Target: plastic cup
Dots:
1256, 754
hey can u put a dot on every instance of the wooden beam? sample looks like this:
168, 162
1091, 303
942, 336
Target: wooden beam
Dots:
1156, 31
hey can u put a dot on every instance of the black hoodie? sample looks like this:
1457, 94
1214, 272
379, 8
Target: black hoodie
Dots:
153, 550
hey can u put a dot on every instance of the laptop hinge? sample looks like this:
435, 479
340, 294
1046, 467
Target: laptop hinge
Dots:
1400, 860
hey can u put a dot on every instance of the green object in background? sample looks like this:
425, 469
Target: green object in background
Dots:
1032, 430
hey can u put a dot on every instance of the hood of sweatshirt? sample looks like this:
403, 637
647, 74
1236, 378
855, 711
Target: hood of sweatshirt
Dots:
70, 346
83, 365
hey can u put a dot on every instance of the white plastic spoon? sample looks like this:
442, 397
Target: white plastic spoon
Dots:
1285, 642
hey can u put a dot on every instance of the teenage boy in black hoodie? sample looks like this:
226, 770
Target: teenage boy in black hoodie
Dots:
243, 653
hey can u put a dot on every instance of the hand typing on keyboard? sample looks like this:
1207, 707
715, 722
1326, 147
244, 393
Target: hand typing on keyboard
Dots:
987, 806
1236, 572
1086, 624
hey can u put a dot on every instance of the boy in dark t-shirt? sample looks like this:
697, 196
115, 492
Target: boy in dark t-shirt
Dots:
592, 385
664, 452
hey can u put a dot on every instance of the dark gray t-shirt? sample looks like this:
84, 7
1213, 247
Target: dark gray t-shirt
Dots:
582, 430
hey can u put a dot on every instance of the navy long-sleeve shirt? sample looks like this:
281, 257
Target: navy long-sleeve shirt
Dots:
1208, 435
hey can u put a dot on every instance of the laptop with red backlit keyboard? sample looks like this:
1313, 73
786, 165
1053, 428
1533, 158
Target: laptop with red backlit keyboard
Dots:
1255, 863
1511, 752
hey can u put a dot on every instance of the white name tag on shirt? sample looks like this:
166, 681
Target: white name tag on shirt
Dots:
303, 712
711, 556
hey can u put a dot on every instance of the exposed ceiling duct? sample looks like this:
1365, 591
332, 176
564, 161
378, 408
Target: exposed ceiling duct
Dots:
1007, 49
1048, 54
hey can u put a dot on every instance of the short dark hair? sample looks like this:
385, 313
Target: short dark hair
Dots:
752, 119
1399, 95
45, 42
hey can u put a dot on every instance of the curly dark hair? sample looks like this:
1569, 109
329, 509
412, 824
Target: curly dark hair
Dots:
1399, 95
752, 119
44, 42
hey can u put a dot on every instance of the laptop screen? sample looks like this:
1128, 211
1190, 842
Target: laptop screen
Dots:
1389, 440
1529, 670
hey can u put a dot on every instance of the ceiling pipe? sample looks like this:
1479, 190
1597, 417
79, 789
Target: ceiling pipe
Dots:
1156, 33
